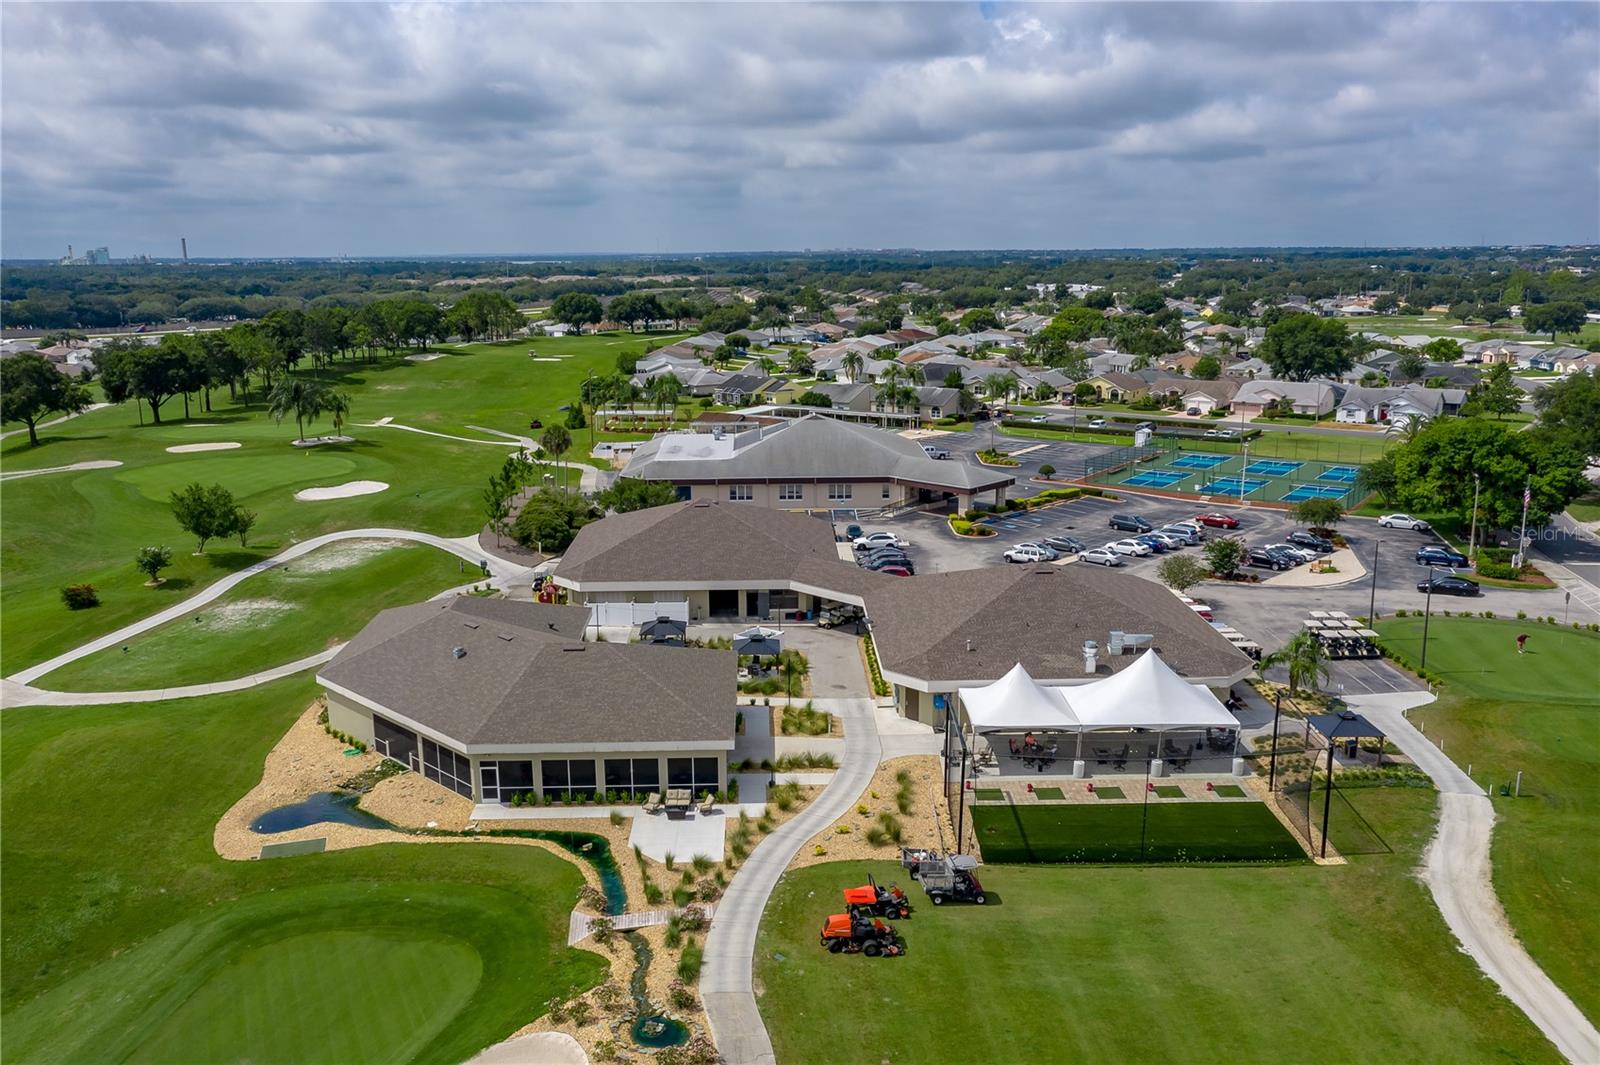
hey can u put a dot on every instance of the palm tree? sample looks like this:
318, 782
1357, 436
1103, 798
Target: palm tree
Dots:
852, 365
1305, 659
303, 398
996, 386
664, 392
338, 404
556, 442
892, 391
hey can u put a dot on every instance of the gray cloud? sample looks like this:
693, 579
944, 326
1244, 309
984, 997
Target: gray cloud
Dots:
368, 129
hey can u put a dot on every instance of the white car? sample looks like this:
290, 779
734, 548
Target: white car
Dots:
1129, 547
879, 539
1026, 553
1101, 556
1050, 553
1403, 521
1173, 542
1097, 423
1304, 554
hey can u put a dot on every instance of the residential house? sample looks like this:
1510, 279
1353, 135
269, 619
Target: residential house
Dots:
1208, 396
1118, 387
1397, 406
1307, 397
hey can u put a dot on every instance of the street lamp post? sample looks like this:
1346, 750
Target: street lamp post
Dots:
1427, 614
1372, 603
1241, 471
1272, 766
1472, 536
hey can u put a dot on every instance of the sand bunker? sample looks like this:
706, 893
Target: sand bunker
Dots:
241, 613
341, 491
218, 445
343, 555
545, 358
427, 356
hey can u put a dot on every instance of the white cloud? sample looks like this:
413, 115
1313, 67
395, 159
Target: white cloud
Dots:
306, 129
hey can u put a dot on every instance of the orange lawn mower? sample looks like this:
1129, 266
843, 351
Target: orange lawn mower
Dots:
848, 933
873, 901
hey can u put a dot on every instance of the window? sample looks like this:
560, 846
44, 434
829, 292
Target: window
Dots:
501, 780
886, 491
633, 776
838, 491
562, 777
739, 493
697, 774
444, 766
935, 412
791, 491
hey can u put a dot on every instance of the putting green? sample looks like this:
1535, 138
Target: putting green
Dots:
243, 472
339, 1008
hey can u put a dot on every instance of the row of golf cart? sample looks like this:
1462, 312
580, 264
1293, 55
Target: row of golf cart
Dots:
862, 928
1340, 636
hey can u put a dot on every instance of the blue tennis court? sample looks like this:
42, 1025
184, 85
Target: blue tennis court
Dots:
1154, 479
1234, 486
1272, 467
1340, 474
1198, 462
1302, 492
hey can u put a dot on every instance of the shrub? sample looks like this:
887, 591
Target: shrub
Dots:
1401, 613
701, 863
682, 896
605, 1050
80, 596
689, 963
679, 997
1522, 615
580, 1012
674, 933
616, 818
603, 930
609, 996
653, 893
557, 1010
877, 836
891, 826
669, 860
819, 850
843, 830
1047, 470
1502, 571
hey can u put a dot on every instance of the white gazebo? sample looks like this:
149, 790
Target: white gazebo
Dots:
1145, 712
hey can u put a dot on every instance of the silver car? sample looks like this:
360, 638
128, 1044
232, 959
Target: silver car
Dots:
1101, 556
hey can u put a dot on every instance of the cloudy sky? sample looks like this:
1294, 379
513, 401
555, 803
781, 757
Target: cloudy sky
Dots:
431, 129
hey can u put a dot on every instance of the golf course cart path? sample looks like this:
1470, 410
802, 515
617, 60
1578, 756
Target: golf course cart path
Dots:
1457, 870
465, 547
15, 694
56, 421
725, 982
93, 464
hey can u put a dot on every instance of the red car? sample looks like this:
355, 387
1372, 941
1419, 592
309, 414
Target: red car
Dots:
1218, 521
894, 571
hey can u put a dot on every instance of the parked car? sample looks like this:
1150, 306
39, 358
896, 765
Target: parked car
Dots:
1449, 585
1130, 547
1026, 553
1146, 425
879, 539
1171, 541
884, 554
1440, 555
1097, 423
1296, 554
1153, 542
1039, 419
1218, 520
1404, 521
1100, 556
1187, 533
897, 571
1260, 556
883, 565
1067, 545
1130, 523
935, 452
1192, 411
853, 533
1050, 553
1316, 543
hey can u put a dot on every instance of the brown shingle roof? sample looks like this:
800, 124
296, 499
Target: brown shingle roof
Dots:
525, 677
1039, 616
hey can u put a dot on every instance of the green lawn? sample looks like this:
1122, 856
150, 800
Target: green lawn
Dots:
1171, 964
1200, 831
87, 526
1586, 509
1538, 713
271, 618
126, 939
1080, 436
1443, 326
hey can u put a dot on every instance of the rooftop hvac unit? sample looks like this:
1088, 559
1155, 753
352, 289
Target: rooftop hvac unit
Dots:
458, 652
1091, 655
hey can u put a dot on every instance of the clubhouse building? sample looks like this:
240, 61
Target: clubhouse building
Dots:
813, 463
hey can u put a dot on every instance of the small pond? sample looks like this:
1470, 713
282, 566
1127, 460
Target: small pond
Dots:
323, 807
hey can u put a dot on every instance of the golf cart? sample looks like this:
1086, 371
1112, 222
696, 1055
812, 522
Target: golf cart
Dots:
844, 933
911, 859
873, 901
951, 878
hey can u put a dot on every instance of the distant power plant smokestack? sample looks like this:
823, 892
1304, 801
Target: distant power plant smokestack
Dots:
185, 242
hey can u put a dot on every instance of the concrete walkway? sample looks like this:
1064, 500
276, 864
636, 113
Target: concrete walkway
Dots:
93, 464
725, 980
1457, 870
465, 547
13, 694
55, 421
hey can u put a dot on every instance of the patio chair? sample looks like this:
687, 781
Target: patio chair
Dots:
706, 804
652, 805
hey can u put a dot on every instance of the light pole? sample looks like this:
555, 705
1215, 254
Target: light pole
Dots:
1372, 604
1272, 766
1427, 614
1241, 471
1472, 537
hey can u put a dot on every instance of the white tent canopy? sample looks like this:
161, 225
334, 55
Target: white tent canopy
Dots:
1017, 701
1146, 695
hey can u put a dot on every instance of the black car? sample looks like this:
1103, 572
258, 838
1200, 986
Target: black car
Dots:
1439, 555
881, 555
890, 560
1311, 540
1130, 523
1067, 545
1260, 556
1449, 586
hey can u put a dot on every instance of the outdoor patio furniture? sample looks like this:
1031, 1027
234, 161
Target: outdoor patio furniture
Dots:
706, 804
679, 801
653, 803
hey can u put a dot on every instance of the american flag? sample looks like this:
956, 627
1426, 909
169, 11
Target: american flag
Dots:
1527, 495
